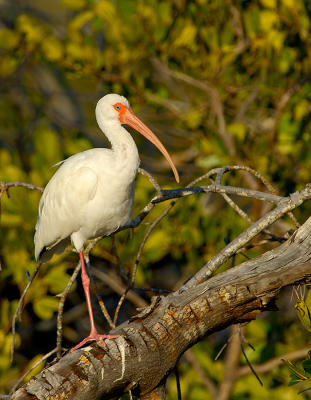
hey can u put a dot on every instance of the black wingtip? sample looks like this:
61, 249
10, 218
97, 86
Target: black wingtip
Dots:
41, 253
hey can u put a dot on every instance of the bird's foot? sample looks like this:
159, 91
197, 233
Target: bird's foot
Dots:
94, 336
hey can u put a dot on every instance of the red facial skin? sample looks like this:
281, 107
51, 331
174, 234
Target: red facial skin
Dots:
122, 109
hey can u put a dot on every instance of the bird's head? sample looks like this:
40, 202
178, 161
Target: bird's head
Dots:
112, 106
116, 108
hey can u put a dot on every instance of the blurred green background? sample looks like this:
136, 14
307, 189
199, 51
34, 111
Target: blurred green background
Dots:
221, 82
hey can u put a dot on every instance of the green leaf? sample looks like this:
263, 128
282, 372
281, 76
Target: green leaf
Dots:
303, 313
45, 307
295, 380
297, 372
306, 364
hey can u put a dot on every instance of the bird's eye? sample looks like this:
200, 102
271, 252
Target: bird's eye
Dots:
117, 107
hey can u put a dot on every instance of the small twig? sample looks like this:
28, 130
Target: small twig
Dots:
177, 382
285, 205
63, 296
274, 362
243, 339
154, 290
246, 358
214, 188
137, 220
31, 369
230, 365
131, 283
236, 208
120, 264
266, 183
141, 216
223, 347
115, 283
7, 185
189, 190
151, 179
19, 307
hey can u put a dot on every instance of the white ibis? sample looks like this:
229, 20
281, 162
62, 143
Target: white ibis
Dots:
92, 192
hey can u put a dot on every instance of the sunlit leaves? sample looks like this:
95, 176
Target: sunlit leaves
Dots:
56, 278
238, 130
5, 346
45, 307
31, 29
303, 309
52, 49
8, 39
8, 65
299, 374
35, 370
254, 53
186, 37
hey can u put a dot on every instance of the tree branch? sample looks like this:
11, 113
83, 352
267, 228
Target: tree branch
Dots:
285, 205
151, 343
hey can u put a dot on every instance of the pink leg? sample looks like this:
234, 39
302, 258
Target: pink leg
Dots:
94, 335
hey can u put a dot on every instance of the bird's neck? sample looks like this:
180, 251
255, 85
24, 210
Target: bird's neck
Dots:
122, 144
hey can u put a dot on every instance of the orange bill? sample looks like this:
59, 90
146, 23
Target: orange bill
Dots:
129, 118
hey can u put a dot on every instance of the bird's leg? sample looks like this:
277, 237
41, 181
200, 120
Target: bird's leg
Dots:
94, 335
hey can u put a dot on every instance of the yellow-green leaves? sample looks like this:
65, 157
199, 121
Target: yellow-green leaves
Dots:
8, 39
238, 130
204, 73
186, 36
105, 9
5, 347
7, 65
299, 374
31, 29
52, 49
45, 307
56, 278
303, 309
269, 3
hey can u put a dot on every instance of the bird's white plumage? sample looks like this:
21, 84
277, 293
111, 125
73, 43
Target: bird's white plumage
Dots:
92, 192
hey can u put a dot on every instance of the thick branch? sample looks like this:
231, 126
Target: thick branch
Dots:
151, 343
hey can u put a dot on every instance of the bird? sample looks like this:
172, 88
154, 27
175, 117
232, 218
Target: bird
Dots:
92, 193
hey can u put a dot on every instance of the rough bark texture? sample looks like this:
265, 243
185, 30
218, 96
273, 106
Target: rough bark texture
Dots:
152, 342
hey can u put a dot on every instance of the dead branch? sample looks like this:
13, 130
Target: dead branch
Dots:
171, 318
151, 343
285, 205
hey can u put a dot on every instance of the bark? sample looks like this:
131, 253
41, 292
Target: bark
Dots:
152, 342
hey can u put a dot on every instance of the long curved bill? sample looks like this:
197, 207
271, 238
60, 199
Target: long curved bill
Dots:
130, 119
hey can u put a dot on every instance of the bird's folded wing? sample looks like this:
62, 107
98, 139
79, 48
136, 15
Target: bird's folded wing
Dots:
62, 204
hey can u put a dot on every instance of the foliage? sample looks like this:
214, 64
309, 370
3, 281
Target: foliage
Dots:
298, 374
303, 374
221, 82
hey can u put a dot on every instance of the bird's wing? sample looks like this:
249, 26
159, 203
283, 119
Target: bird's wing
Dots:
62, 204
